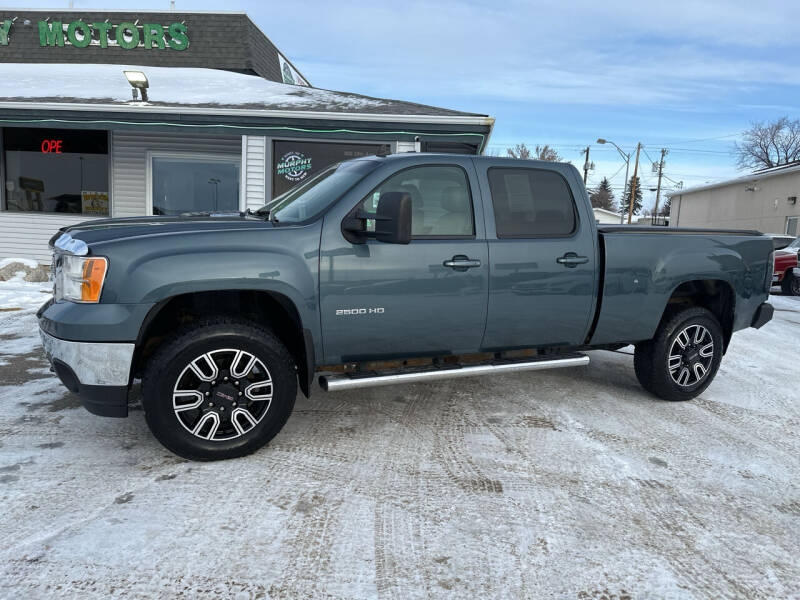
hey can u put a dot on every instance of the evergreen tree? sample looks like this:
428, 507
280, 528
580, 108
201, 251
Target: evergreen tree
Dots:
603, 196
663, 210
626, 198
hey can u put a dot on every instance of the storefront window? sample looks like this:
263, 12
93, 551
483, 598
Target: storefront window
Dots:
294, 162
56, 171
187, 185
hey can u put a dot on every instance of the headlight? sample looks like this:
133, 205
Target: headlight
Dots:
79, 278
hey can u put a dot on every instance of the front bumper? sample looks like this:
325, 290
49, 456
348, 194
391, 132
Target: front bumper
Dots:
763, 315
99, 372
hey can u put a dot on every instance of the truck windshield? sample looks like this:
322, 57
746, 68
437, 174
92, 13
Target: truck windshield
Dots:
309, 199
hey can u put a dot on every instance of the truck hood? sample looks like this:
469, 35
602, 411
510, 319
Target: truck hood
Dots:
105, 230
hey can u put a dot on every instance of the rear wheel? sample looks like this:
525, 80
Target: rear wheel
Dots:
219, 389
682, 359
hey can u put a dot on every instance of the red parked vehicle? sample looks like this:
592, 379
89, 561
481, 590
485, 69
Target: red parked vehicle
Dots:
787, 275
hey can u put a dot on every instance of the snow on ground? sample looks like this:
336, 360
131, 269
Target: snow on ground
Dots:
567, 484
18, 299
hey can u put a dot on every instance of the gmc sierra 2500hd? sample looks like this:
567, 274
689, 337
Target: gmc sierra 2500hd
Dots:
381, 270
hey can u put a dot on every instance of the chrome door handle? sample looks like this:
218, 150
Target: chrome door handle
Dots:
570, 259
461, 263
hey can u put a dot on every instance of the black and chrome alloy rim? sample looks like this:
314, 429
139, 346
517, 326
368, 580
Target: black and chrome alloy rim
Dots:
222, 394
690, 356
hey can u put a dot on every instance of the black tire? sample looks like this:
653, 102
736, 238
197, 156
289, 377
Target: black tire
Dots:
652, 363
790, 285
222, 340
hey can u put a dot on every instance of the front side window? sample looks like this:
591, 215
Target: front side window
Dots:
531, 203
441, 205
190, 185
791, 225
56, 171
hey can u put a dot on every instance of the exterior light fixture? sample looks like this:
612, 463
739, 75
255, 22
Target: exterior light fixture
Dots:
138, 81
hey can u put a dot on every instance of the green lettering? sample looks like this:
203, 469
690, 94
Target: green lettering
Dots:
134, 35
79, 42
178, 40
51, 34
102, 33
5, 26
153, 33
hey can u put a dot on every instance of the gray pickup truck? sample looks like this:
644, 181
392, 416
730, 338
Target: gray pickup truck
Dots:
380, 270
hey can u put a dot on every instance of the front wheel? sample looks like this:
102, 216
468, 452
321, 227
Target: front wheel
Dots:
682, 359
218, 389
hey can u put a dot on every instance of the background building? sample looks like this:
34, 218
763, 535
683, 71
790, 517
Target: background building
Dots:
765, 200
228, 122
604, 216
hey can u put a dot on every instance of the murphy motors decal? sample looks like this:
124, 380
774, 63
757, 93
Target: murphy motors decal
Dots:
80, 34
294, 166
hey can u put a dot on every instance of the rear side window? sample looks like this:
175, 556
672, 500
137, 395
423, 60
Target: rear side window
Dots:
531, 203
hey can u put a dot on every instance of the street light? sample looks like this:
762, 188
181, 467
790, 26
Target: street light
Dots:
627, 159
215, 181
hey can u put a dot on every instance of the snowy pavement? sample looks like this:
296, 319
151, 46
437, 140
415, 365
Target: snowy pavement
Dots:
565, 484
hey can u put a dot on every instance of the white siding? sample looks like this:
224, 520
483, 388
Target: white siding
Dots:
25, 235
254, 171
129, 169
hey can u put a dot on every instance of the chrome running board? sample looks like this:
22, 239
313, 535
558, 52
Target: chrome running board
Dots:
349, 381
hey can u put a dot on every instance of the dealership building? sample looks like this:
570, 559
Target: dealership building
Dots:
119, 113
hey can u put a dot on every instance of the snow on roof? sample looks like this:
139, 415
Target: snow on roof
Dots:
758, 175
182, 86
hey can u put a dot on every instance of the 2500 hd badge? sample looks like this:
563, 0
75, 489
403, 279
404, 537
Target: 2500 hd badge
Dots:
360, 311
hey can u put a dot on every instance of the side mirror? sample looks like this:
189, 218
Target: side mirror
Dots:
393, 218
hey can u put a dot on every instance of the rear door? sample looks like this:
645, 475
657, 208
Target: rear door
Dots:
542, 255
429, 297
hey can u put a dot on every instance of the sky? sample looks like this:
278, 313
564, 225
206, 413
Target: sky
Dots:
688, 76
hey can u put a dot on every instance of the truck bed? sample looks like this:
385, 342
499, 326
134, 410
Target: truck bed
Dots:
643, 266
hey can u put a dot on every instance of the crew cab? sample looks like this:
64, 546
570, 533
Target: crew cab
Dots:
383, 270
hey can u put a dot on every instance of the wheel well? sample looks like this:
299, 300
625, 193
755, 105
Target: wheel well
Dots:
272, 310
713, 294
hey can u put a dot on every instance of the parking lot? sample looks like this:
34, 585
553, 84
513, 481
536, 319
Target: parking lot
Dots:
568, 483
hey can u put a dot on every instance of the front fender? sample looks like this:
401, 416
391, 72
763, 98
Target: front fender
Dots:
146, 271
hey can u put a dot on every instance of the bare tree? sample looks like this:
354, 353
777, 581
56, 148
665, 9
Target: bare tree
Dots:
769, 144
519, 151
545, 152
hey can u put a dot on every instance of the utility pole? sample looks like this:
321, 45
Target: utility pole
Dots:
664, 152
632, 198
586, 165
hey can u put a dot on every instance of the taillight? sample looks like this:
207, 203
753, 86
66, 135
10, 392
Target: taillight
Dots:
770, 271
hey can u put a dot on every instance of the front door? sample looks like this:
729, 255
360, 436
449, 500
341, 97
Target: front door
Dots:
543, 259
382, 300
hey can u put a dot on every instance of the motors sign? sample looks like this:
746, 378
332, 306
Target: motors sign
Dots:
126, 35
